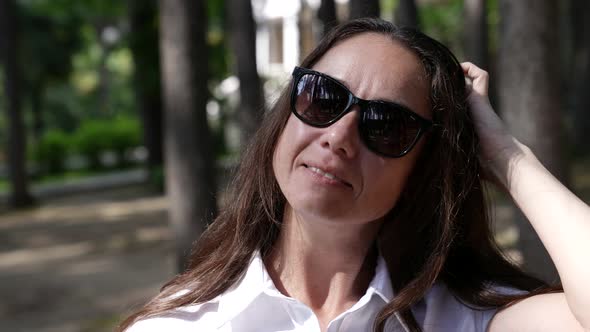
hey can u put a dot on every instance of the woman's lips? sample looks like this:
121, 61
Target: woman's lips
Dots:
327, 175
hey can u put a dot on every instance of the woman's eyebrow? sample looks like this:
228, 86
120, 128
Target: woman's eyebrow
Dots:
392, 101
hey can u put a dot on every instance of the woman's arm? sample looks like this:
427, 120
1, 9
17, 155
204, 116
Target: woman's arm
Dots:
561, 220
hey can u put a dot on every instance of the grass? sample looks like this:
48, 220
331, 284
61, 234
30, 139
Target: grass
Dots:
101, 324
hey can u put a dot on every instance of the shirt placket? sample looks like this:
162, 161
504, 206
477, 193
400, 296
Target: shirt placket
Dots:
301, 315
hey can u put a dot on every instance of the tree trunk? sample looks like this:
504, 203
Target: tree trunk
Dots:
579, 82
530, 101
36, 95
12, 83
364, 8
189, 160
327, 15
476, 33
243, 42
406, 14
476, 41
143, 42
306, 36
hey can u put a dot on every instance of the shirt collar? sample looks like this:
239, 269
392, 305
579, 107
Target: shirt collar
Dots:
381, 283
256, 281
250, 286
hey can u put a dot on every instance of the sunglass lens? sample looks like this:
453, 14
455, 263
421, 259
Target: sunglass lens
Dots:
319, 100
388, 130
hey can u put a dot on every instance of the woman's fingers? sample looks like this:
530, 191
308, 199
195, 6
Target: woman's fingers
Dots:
479, 78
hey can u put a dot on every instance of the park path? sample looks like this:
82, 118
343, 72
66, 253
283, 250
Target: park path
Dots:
78, 262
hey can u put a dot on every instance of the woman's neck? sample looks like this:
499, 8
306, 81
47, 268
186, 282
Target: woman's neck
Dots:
326, 265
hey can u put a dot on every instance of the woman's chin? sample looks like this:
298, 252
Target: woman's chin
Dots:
335, 213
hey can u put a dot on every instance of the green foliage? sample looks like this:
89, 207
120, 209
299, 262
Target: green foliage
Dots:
89, 10
493, 24
125, 134
90, 140
95, 137
101, 77
51, 152
387, 8
441, 20
63, 52
158, 178
216, 40
48, 45
3, 124
143, 42
62, 108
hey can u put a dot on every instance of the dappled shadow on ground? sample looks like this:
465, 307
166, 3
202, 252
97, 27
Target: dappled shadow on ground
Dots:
81, 260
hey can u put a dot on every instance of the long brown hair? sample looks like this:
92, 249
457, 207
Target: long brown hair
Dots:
438, 231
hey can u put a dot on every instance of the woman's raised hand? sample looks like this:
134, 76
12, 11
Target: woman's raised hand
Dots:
498, 148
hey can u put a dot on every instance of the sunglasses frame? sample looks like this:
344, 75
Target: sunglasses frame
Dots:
299, 72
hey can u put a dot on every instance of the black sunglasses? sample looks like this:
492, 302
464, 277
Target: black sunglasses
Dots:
387, 128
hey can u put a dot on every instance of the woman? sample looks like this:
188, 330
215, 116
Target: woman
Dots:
359, 205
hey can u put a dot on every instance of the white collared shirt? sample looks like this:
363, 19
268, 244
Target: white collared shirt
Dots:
255, 305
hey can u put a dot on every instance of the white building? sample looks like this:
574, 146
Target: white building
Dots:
286, 31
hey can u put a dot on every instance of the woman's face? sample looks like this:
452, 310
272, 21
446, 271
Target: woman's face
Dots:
361, 186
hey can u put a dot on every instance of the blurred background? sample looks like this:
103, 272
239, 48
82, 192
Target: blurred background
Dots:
106, 106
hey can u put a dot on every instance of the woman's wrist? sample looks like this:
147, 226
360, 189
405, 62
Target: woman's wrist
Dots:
509, 161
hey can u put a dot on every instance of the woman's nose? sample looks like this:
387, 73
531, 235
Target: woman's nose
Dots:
342, 137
